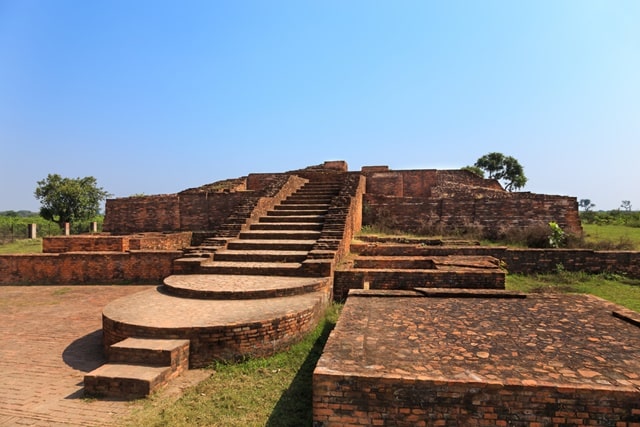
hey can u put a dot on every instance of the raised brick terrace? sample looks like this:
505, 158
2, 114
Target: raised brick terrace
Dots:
479, 358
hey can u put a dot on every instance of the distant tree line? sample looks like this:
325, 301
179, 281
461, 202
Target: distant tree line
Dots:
622, 216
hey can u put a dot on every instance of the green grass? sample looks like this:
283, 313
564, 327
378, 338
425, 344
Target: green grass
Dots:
615, 288
274, 391
594, 233
26, 246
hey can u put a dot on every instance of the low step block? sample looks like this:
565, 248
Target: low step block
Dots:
151, 352
125, 381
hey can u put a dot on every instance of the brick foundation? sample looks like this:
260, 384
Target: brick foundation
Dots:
225, 341
107, 243
398, 358
87, 268
396, 401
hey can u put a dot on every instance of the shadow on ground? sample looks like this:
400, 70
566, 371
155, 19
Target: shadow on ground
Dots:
85, 354
295, 405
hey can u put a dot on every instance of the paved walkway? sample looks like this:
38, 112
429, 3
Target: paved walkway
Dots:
50, 336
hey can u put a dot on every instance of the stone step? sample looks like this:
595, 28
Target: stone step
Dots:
312, 196
315, 207
314, 191
151, 352
125, 381
307, 201
271, 245
280, 235
273, 217
309, 226
296, 211
251, 268
261, 256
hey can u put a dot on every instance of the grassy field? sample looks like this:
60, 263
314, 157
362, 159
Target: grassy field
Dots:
275, 391
25, 246
615, 288
616, 234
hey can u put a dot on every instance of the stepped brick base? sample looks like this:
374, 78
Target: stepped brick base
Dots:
125, 381
216, 329
137, 367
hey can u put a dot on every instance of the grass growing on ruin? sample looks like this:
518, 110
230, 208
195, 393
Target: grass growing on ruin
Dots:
615, 288
25, 246
274, 391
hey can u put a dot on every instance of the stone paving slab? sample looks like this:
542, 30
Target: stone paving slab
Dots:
568, 341
50, 336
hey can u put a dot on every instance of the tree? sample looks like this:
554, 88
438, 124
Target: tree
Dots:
68, 200
503, 168
586, 205
626, 205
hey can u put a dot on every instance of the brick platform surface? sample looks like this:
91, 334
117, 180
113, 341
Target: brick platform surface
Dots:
539, 360
220, 286
50, 336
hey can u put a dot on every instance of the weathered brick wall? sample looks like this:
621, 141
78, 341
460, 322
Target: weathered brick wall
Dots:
106, 243
531, 261
210, 210
87, 267
396, 401
177, 212
148, 213
344, 280
426, 183
522, 261
417, 200
229, 342
495, 214
191, 210
160, 242
60, 244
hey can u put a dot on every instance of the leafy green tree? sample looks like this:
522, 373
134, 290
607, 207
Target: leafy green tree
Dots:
586, 205
68, 200
503, 168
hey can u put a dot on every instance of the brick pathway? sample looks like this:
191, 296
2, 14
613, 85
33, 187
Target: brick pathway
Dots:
50, 336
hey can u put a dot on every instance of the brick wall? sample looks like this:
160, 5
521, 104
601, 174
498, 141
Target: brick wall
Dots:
344, 280
160, 242
87, 268
369, 401
190, 210
148, 213
106, 243
60, 244
523, 261
496, 214
419, 200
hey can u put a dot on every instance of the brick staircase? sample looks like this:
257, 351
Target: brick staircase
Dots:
277, 244
249, 293
136, 367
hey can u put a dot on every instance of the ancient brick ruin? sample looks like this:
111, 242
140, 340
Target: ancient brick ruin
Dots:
428, 334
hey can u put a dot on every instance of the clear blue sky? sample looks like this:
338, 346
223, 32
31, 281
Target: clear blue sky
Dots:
155, 97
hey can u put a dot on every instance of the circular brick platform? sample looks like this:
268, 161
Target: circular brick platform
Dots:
226, 287
219, 329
